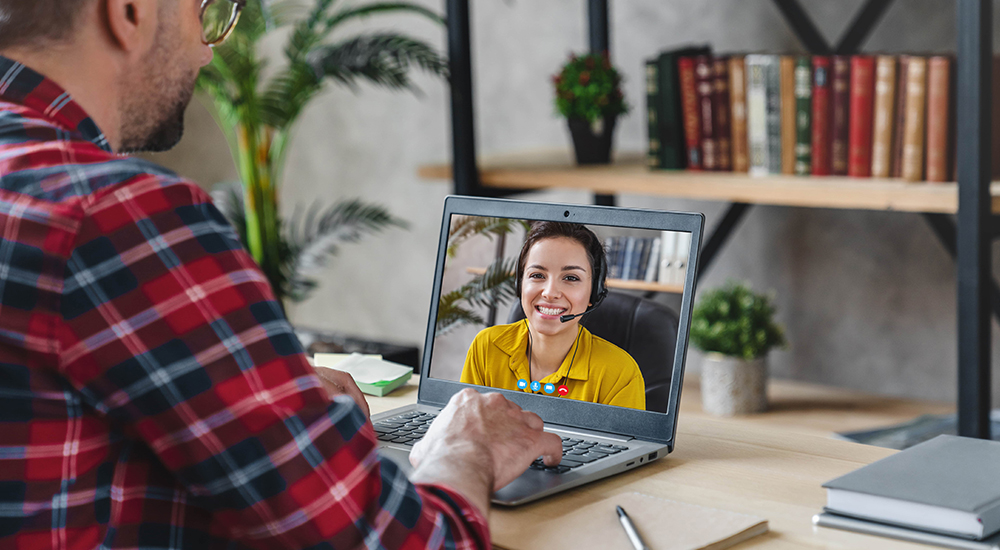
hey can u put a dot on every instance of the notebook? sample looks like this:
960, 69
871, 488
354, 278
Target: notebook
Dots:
663, 525
606, 427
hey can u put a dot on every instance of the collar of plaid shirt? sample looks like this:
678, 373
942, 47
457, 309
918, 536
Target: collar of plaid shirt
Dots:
152, 393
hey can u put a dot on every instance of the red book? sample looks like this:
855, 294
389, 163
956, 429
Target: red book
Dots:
821, 115
689, 108
859, 144
720, 110
704, 78
841, 83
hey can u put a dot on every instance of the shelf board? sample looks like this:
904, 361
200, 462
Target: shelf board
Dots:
615, 283
554, 170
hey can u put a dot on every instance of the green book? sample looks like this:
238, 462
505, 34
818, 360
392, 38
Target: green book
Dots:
803, 115
669, 113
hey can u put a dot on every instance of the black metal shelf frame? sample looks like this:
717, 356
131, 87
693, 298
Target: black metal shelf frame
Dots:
967, 237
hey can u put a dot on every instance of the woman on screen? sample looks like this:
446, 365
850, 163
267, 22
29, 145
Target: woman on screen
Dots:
560, 276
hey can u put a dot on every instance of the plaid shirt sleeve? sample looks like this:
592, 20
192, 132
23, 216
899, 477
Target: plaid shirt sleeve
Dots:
170, 330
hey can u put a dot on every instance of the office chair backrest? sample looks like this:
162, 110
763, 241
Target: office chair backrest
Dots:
647, 330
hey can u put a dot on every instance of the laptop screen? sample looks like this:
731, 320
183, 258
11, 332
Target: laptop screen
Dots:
584, 312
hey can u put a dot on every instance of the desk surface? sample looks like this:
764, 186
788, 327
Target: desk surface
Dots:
744, 465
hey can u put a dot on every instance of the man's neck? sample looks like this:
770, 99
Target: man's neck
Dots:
90, 83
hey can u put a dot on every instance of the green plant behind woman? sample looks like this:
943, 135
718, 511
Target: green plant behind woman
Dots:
257, 116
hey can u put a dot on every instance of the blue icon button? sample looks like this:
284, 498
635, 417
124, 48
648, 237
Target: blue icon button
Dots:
535, 386
549, 388
522, 383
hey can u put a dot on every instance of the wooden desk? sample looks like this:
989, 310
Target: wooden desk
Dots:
742, 464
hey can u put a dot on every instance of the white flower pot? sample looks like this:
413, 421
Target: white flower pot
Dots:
732, 386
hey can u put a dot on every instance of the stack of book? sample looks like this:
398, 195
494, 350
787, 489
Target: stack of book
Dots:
863, 116
660, 260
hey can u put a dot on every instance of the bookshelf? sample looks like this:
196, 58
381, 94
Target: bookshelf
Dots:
622, 284
961, 213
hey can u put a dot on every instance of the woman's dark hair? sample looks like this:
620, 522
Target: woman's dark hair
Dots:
540, 231
35, 23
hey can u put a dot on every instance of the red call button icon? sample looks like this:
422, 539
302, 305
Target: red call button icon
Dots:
562, 390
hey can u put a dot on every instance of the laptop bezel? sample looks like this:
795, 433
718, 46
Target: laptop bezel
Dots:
647, 425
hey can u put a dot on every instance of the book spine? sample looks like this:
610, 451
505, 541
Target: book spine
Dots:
668, 250
653, 265
938, 107
652, 120
738, 113
896, 170
841, 105
786, 69
914, 123
859, 164
626, 271
704, 71
614, 252
803, 116
995, 98
639, 259
692, 120
671, 121
720, 110
821, 113
756, 70
773, 93
885, 97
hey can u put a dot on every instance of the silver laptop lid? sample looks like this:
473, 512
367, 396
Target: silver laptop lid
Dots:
475, 297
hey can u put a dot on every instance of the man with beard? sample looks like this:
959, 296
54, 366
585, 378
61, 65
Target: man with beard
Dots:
153, 394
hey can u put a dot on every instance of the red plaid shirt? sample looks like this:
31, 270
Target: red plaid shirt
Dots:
152, 394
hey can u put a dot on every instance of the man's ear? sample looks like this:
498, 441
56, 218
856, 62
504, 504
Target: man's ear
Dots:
132, 23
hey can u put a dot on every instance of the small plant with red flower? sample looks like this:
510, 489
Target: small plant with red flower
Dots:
588, 87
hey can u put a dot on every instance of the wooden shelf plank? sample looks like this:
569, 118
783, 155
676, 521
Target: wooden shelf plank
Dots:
615, 283
629, 175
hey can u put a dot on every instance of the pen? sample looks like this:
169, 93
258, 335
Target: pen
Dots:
633, 535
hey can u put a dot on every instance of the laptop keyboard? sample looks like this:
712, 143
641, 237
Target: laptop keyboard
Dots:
408, 428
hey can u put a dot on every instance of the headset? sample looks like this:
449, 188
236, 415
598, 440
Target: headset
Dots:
598, 287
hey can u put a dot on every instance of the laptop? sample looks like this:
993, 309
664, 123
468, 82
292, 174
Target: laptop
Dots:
599, 439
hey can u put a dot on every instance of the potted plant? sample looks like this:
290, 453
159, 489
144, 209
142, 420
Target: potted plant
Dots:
257, 115
588, 93
735, 328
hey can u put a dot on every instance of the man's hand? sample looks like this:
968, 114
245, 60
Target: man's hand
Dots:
480, 443
340, 383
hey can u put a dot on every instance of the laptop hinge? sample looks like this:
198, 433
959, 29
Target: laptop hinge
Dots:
586, 432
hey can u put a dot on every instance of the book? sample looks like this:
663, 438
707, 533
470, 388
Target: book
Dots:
896, 170
859, 142
692, 119
821, 115
653, 263
614, 252
948, 485
664, 525
668, 252
885, 115
803, 116
756, 71
704, 71
841, 84
786, 70
914, 119
371, 373
721, 115
938, 118
670, 114
652, 119
774, 156
628, 250
836, 521
738, 112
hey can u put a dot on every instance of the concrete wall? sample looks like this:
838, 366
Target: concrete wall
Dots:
868, 297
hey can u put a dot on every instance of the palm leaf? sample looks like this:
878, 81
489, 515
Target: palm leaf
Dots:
384, 59
494, 287
381, 7
465, 227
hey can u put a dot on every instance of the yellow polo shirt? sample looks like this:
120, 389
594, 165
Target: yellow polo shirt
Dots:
601, 372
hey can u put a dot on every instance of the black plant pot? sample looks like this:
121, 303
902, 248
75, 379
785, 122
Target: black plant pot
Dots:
592, 147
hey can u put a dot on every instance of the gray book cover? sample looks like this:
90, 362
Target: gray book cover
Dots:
773, 113
954, 472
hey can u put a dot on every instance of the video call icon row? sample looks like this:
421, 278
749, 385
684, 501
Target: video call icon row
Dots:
537, 386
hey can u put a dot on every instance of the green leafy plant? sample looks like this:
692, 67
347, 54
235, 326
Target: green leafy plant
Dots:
734, 321
496, 286
589, 87
257, 116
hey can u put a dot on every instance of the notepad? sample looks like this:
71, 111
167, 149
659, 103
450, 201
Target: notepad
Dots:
663, 525
372, 374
